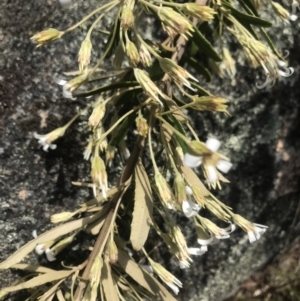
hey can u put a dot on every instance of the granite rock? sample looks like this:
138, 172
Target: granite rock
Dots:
261, 138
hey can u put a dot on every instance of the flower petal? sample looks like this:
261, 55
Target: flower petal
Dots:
191, 160
39, 249
213, 144
197, 251
211, 174
50, 255
224, 165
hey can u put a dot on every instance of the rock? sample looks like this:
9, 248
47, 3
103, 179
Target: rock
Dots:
261, 138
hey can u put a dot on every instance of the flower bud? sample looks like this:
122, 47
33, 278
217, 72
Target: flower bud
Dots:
112, 252
164, 190
84, 55
142, 126
46, 36
145, 56
203, 12
97, 115
62, 217
180, 192
99, 175
132, 53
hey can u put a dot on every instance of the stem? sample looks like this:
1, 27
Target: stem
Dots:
120, 120
150, 142
90, 15
186, 140
107, 50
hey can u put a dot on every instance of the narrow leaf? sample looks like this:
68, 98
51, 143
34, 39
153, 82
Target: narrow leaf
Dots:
248, 18
143, 207
199, 67
143, 278
39, 280
49, 295
108, 283
193, 180
31, 268
47, 236
204, 45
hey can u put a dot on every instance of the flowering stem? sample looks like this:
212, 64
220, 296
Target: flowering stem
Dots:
105, 53
121, 119
150, 143
90, 15
186, 140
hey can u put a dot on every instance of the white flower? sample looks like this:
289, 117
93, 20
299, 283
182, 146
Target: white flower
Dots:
50, 254
210, 162
272, 69
256, 233
197, 251
66, 87
39, 249
44, 141
190, 208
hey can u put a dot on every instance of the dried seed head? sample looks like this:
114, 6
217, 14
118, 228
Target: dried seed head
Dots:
142, 126
132, 53
203, 12
99, 175
148, 85
174, 21
46, 36
84, 55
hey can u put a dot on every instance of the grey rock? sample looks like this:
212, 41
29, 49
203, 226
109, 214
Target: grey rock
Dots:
261, 138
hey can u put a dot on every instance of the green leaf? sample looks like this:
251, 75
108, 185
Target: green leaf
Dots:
143, 207
114, 35
122, 129
246, 17
204, 45
199, 67
248, 7
270, 43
